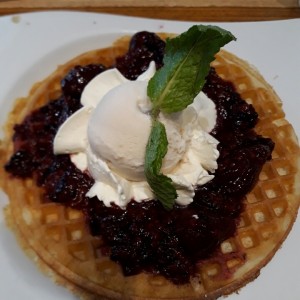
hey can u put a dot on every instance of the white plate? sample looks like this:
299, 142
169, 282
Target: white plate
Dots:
32, 45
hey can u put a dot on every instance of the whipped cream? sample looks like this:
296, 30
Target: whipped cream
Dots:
107, 138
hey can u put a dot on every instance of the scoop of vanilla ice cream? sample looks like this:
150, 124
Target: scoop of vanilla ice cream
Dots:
119, 127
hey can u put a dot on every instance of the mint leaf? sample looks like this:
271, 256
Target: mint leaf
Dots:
163, 189
156, 150
186, 65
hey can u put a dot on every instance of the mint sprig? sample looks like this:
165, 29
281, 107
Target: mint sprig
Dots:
186, 64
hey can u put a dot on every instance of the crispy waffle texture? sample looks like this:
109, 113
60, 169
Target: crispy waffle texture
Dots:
57, 239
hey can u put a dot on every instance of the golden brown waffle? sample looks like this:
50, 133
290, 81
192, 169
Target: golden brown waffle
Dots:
56, 237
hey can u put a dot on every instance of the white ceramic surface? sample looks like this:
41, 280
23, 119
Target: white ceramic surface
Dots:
32, 45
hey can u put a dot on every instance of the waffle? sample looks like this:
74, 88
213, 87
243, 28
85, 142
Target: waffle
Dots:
57, 239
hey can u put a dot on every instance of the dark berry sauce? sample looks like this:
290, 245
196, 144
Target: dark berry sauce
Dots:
145, 237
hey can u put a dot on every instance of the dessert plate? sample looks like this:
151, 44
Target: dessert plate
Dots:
32, 45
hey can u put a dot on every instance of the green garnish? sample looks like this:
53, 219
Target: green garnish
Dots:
186, 64
156, 150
